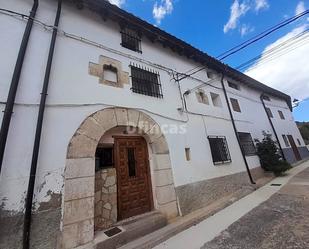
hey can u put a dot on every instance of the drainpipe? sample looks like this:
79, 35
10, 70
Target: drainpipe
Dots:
272, 126
38, 132
235, 130
14, 83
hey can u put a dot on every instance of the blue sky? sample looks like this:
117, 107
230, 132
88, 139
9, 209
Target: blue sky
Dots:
216, 26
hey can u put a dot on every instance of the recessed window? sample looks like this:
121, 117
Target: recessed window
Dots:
281, 115
110, 73
202, 97
104, 158
246, 143
286, 141
210, 75
298, 141
131, 162
269, 113
216, 100
265, 97
188, 154
233, 85
219, 149
131, 39
235, 105
146, 81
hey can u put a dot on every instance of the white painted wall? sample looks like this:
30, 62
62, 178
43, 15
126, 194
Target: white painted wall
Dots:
74, 95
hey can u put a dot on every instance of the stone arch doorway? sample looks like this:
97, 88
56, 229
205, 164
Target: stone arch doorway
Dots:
79, 178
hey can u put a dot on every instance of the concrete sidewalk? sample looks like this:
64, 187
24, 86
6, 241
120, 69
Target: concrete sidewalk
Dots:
204, 233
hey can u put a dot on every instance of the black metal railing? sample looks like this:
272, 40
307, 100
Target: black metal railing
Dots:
146, 81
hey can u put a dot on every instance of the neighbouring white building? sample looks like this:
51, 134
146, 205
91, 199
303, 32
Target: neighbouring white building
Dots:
125, 130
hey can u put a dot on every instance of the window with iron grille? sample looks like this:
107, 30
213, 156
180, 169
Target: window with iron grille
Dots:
146, 81
246, 143
130, 39
219, 150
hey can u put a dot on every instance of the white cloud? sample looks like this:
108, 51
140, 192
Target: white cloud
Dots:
246, 29
237, 10
117, 2
300, 8
161, 10
261, 4
288, 73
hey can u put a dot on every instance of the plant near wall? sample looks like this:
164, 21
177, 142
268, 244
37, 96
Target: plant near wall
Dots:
270, 158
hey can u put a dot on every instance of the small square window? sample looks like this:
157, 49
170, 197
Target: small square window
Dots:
130, 39
235, 105
286, 141
281, 115
265, 97
210, 75
216, 100
233, 85
110, 73
202, 97
269, 113
188, 154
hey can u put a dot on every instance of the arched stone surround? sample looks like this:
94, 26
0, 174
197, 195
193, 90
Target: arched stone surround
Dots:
79, 177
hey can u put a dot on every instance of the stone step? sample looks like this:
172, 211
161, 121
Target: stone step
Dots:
131, 229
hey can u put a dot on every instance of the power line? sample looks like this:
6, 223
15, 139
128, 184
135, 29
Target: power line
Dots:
280, 47
260, 34
283, 52
263, 34
249, 42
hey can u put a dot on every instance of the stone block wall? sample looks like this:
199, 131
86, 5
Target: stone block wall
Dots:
105, 213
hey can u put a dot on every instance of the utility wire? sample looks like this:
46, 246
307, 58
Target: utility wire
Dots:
281, 52
279, 55
259, 36
264, 34
249, 42
280, 47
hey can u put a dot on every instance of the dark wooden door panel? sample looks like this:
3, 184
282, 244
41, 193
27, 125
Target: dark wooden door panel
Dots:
294, 148
134, 186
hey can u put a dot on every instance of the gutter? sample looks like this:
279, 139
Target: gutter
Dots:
235, 131
38, 132
14, 83
272, 126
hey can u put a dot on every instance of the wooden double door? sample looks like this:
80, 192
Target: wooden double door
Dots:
133, 177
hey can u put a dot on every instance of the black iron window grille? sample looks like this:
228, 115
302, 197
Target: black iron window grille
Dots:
146, 81
219, 149
247, 144
130, 39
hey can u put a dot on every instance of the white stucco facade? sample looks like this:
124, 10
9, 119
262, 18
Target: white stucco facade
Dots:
74, 94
